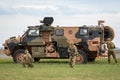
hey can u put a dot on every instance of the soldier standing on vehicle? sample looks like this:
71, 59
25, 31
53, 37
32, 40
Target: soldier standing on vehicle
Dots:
111, 46
72, 50
27, 59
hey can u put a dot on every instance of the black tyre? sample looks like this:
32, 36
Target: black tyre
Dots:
18, 55
81, 57
36, 59
108, 33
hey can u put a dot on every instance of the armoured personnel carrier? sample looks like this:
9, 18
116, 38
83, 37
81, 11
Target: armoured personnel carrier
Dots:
46, 41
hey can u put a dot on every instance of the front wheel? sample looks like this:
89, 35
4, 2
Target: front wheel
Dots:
81, 58
17, 57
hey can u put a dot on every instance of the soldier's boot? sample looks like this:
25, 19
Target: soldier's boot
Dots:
23, 65
115, 59
71, 66
30, 65
109, 61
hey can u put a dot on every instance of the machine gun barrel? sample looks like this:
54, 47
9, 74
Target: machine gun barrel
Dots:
47, 21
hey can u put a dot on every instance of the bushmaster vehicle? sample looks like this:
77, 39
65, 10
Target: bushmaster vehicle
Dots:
46, 41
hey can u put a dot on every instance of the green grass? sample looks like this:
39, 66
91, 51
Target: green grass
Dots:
58, 69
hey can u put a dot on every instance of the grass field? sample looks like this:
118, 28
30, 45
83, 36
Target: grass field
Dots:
58, 69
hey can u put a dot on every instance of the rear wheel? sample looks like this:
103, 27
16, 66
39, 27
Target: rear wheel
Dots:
81, 57
17, 57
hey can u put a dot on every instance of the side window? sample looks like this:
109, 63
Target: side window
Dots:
59, 32
83, 31
33, 32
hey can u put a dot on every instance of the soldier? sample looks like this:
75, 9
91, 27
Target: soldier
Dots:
27, 59
49, 48
104, 49
111, 46
72, 50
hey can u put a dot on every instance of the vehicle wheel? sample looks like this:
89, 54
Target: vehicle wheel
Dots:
36, 59
81, 57
108, 33
18, 55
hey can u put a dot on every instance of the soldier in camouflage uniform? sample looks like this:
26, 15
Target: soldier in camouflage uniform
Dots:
111, 46
72, 50
27, 60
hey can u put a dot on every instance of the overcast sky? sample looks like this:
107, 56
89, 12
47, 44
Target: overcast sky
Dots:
16, 15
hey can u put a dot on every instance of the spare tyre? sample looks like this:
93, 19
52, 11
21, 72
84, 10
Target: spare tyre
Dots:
108, 33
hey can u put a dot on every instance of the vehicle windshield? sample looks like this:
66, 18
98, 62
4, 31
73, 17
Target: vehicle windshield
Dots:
33, 32
83, 31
